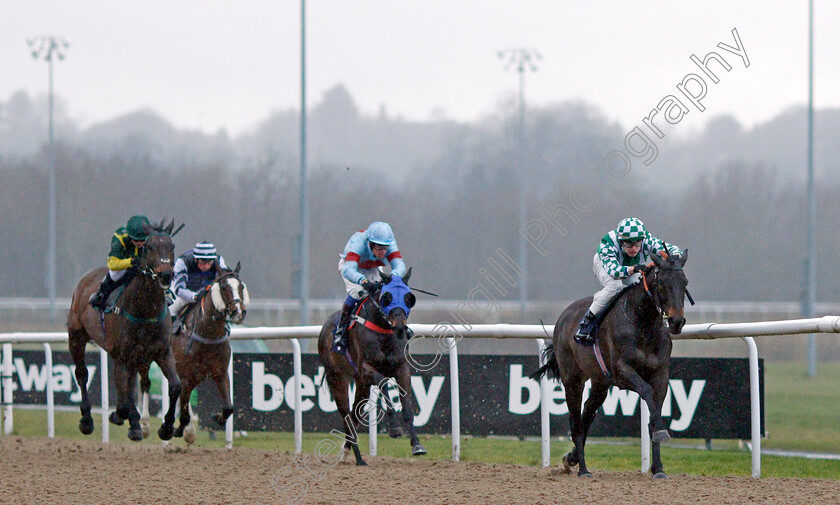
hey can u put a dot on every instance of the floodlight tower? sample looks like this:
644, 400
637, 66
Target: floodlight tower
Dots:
522, 59
50, 48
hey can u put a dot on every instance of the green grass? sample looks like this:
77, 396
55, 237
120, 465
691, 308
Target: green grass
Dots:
801, 414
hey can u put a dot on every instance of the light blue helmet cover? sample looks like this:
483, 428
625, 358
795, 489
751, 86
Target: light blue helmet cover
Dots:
396, 294
380, 233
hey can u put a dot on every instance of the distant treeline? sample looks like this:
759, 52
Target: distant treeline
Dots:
449, 190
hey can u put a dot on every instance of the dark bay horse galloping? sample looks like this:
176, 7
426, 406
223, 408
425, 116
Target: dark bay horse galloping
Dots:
202, 346
134, 332
635, 342
375, 353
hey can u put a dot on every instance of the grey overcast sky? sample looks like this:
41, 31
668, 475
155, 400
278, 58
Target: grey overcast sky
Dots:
212, 64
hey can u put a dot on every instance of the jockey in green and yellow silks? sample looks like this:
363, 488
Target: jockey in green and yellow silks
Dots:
126, 246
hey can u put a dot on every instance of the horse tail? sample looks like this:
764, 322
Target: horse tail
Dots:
550, 366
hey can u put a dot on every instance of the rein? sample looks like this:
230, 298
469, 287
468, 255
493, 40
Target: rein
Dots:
369, 324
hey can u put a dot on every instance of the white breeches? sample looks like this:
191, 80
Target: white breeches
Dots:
611, 285
177, 305
116, 274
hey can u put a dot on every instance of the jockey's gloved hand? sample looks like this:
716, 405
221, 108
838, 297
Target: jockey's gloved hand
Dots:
369, 286
135, 260
196, 296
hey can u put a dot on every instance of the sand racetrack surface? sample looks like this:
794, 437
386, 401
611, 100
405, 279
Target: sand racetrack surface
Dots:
57, 471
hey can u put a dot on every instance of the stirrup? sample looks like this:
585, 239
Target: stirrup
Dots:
583, 335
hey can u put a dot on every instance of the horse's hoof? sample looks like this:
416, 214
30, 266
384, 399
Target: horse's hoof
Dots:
135, 434
418, 450
189, 437
585, 474
179, 432
165, 431
146, 427
660, 436
86, 425
114, 418
395, 433
567, 467
361, 462
660, 475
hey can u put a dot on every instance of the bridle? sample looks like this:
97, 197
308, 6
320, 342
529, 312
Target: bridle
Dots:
651, 293
146, 269
230, 306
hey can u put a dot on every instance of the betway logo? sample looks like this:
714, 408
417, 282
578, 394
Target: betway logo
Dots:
34, 377
269, 392
617, 399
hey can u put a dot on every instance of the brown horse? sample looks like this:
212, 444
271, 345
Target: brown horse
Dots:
202, 346
635, 339
134, 332
376, 352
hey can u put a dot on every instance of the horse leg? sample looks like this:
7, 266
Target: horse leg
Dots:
339, 386
361, 404
574, 398
597, 395
223, 386
629, 379
135, 431
407, 400
394, 428
145, 386
76, 342
660, 389
184, 402
191, 429
167, 366
124, 380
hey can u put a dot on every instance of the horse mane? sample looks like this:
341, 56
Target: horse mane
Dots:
615, 300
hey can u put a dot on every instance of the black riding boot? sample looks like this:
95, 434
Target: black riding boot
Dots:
100, 298
340, 333
585, 330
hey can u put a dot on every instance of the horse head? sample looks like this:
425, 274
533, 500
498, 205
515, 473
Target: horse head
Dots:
396, 301
157, 259
668, 286
230, 295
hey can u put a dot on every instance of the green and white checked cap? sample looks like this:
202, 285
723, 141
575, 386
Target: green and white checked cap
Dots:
631, 229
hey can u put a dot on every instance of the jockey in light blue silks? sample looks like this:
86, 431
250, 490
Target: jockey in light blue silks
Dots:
366, 254
621, 255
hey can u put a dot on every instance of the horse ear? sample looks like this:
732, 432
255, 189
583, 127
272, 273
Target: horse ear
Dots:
168, 229
683, 257
162, 223
238, 266
407, 275
147, 228
385, 277
410, 299
386, 299
657, 260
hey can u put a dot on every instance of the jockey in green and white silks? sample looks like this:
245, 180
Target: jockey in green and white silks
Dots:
615, 264
367, 253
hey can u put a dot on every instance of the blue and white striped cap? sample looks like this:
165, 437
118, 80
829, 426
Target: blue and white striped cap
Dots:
205, 251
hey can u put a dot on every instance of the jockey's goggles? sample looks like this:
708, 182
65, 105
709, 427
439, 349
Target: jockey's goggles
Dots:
631, 243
